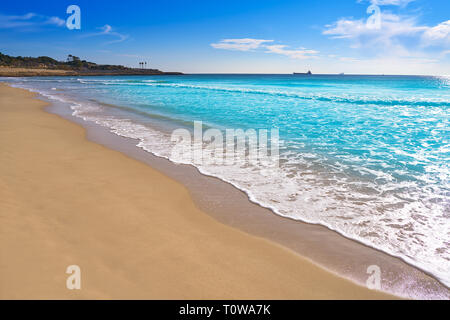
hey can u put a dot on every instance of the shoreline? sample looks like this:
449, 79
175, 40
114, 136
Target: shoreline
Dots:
135, 232
330, 250
36, 72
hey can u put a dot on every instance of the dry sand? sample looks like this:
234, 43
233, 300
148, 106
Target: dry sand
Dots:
135, 233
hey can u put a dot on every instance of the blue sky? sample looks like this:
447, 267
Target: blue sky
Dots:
264, 36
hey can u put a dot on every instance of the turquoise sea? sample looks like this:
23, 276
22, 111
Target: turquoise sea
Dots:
366, 156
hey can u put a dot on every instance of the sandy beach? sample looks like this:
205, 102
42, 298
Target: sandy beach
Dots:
135, 233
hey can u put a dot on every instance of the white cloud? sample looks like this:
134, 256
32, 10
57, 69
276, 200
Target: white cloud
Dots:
28, 20
400, 3
437, 34
397, 38
391, 26
55, 21
10, 22
395, 33
248, 44
245, 44
294, 54
108, 31
392, 34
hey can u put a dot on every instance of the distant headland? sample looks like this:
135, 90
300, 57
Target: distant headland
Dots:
74, 66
